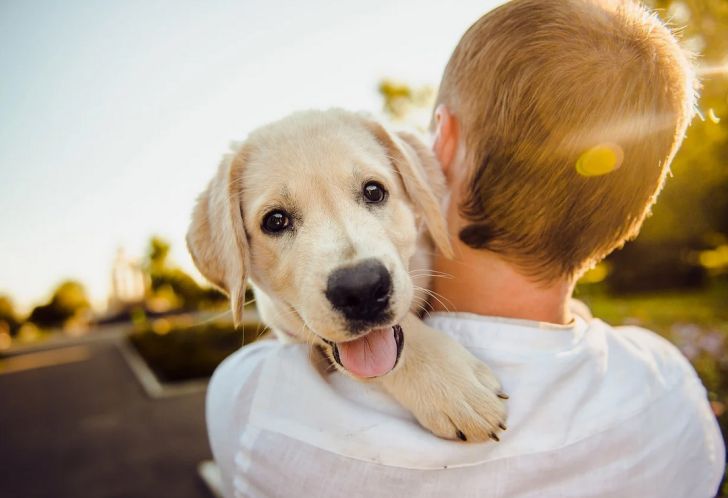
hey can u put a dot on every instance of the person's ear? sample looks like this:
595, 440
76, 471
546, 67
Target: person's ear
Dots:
447, 138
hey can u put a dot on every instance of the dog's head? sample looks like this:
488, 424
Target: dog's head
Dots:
321, 211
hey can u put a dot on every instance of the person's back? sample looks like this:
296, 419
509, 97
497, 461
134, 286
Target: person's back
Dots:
556, 124
594, 411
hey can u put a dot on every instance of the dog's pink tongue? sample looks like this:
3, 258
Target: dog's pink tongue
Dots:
370, 356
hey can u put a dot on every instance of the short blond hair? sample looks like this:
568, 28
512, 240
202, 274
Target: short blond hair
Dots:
535, 84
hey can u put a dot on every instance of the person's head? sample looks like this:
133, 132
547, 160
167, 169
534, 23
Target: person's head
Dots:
541, 98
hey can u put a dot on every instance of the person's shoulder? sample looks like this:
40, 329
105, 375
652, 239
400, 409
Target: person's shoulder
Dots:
644, 364
677, 397
239, 370
235, 385
246, 358
639, 345
240, 364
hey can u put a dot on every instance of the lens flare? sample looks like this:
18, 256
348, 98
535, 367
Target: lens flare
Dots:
600, 160
713, 116
714, 70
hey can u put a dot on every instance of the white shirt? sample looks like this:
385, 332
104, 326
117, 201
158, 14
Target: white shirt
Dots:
594, 411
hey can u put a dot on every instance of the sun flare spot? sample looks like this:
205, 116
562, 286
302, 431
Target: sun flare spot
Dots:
600, 160
713, 116
714, 70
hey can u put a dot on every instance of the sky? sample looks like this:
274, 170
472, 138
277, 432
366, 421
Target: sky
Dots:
114, 115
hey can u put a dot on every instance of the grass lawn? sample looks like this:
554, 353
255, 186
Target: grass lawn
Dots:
662, 312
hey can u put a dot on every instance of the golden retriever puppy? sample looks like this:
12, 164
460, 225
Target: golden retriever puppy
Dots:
333, 219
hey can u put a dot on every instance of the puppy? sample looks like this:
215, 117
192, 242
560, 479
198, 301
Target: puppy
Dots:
333, 219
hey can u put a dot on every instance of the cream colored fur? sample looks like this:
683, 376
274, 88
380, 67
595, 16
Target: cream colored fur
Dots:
313, 164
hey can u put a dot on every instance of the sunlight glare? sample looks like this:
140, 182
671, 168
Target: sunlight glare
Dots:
715, 70
713, 116
600, 160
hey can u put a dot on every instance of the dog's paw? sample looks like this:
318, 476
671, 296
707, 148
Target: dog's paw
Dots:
463, 402
448, 390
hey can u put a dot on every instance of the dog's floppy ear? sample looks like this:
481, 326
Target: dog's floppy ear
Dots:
422, 178
216, 237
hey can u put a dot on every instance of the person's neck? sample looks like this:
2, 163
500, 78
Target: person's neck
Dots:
481, 282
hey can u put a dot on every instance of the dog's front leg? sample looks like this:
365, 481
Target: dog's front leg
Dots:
448, 390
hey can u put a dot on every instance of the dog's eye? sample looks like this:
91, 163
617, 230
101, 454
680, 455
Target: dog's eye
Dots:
276, 221
374, 192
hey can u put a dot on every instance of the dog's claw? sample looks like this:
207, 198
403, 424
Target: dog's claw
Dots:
502, 426
461, 436
493, 436
503, 395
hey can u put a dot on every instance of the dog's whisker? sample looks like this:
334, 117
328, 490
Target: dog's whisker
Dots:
443, 304
437, 297
422, 308
428, 270
419, 300
422, 304
415, 275
260, 330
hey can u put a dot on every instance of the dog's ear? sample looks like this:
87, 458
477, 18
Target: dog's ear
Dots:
422, 179
216, 237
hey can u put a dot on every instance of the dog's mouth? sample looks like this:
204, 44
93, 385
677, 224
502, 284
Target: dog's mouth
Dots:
373, 354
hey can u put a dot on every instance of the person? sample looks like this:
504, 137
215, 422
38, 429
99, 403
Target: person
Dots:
555, 125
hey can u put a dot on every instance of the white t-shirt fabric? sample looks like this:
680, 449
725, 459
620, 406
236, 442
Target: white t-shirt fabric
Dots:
594, 411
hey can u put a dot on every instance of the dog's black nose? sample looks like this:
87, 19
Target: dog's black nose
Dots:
361, 292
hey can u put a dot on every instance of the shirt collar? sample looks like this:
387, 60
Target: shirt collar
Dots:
498, 333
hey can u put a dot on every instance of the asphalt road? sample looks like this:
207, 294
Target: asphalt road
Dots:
76, 423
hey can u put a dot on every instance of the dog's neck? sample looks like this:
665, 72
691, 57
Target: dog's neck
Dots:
484, 283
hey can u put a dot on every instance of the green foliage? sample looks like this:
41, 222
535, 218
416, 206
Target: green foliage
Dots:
68, 300
405, 103
158, 253
660, 311
648, 266
172, 285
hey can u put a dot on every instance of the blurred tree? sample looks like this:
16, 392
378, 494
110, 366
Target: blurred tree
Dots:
404, 103
8, 316
68, 301
157, 254
171, 288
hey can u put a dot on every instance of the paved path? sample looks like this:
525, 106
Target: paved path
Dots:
76, 423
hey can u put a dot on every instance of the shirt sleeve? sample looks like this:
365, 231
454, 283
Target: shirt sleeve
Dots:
226, 410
